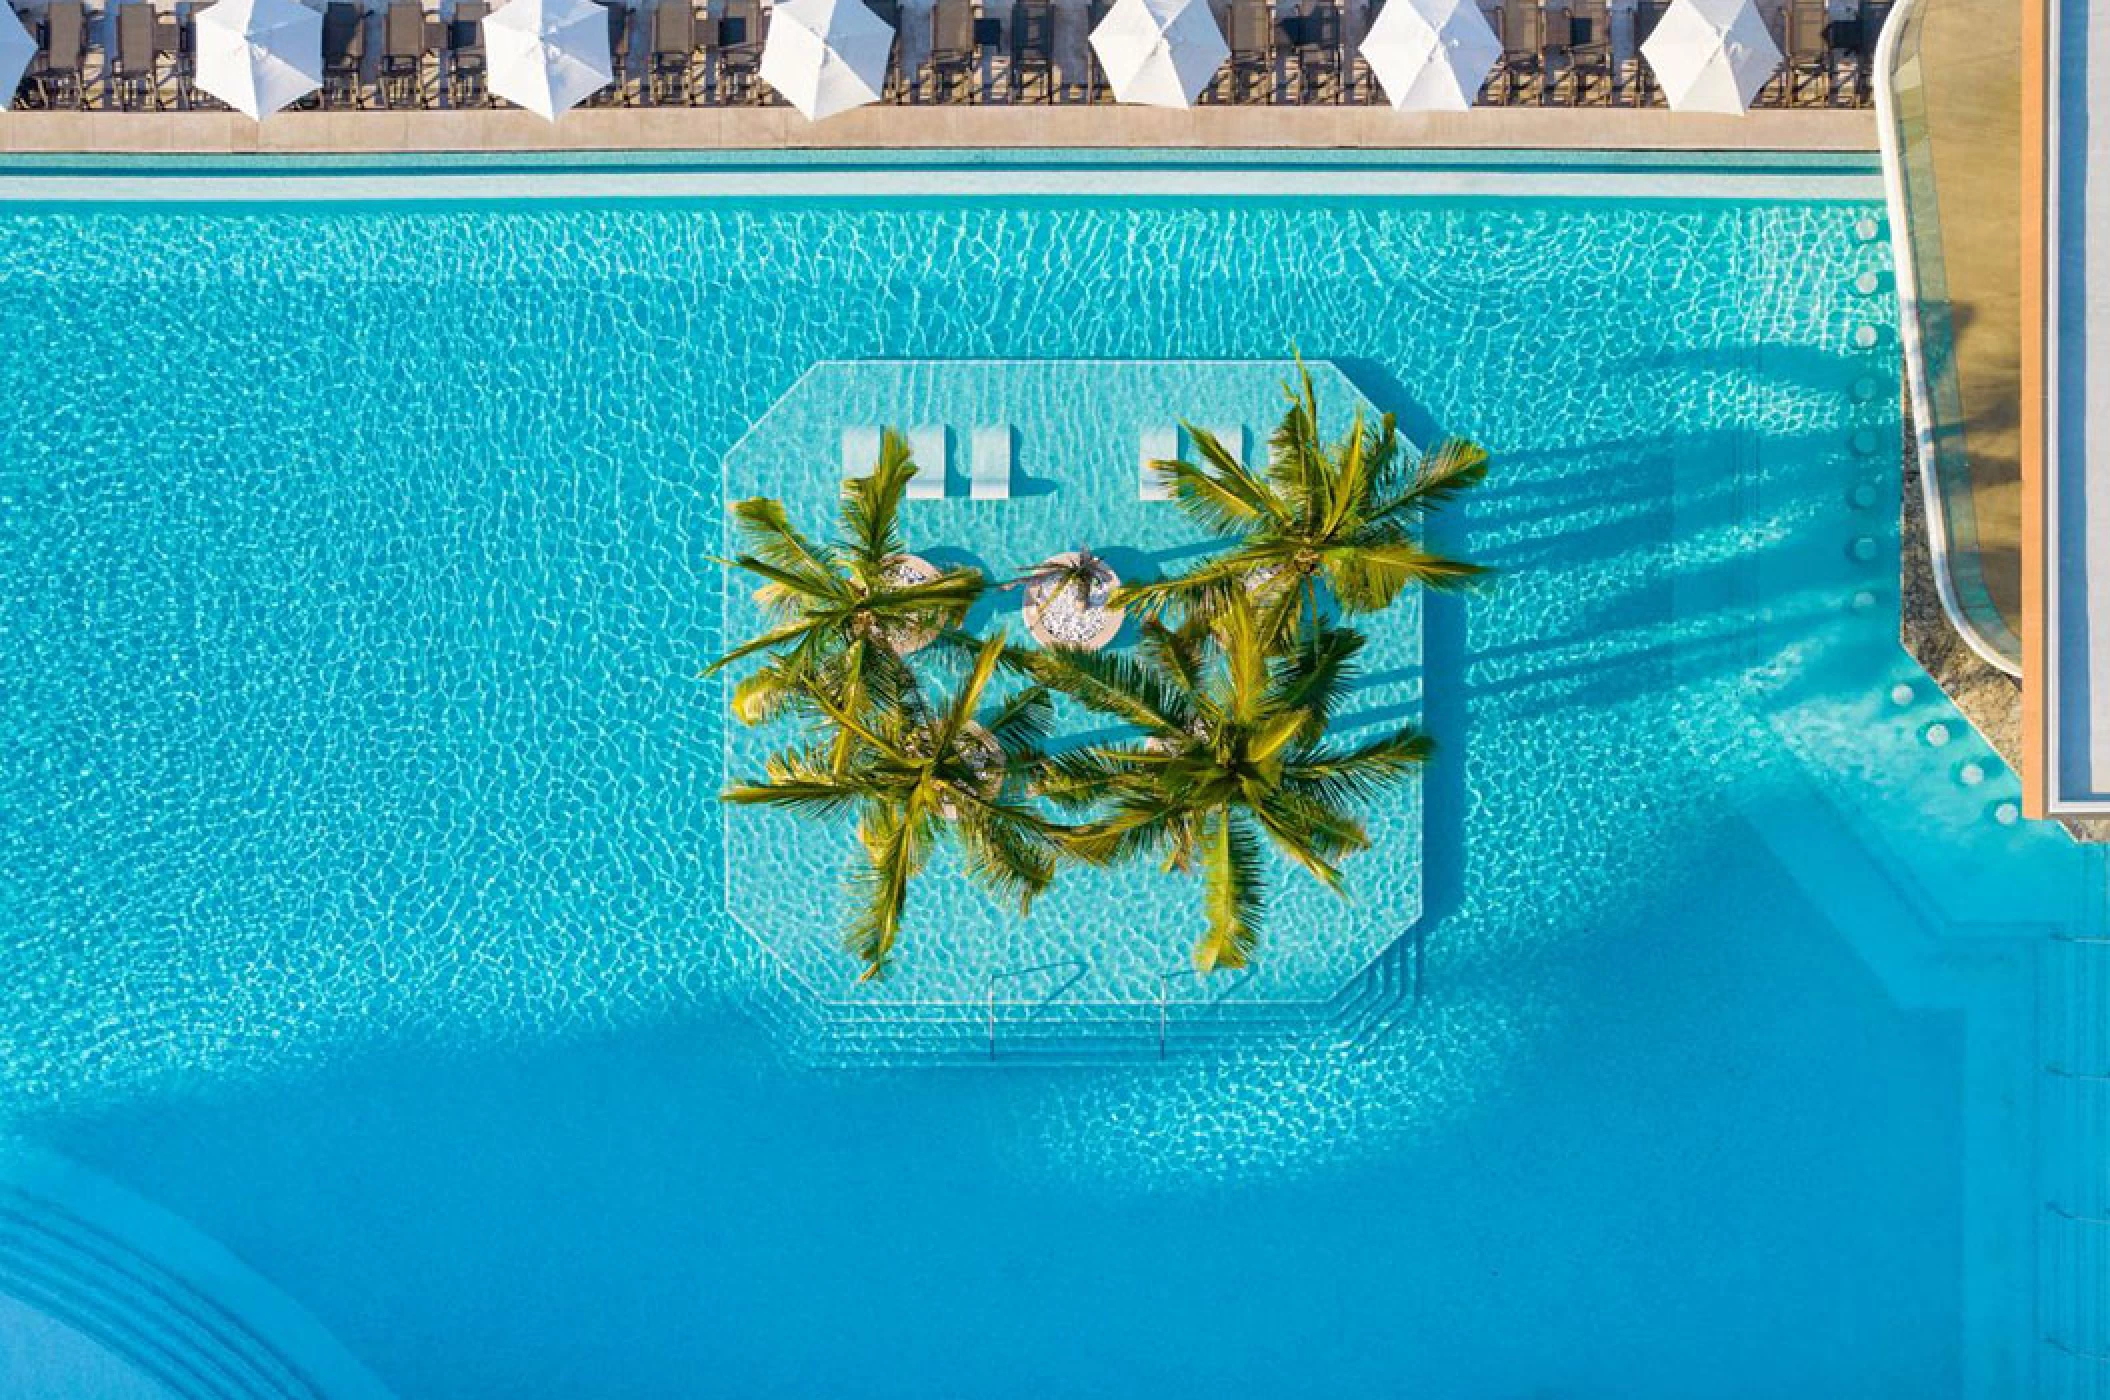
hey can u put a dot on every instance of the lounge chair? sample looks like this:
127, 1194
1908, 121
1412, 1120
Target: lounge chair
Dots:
466, 68
989, 465
1033, 51
1159, 445
860, 451
673, 53
1523, 69
621, 24
1232, 438
1251, 34
1578, 56
343, 45
132, 68
1314, 39
403, 50
927, 446
737, 49
1807, 59
65, 49
952, 49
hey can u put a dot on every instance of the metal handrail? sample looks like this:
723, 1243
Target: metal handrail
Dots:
2100, 1358
1075, 966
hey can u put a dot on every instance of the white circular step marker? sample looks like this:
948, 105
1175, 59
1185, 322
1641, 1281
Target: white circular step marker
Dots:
1971, 774
1937, 735
1865, 337
1901, 694
1866, 229
1864, 548
2006, 813
1867, 283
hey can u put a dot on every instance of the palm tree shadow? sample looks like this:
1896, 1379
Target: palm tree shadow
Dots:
1387, 394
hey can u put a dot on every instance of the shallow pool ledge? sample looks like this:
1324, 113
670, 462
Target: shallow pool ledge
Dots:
940, 127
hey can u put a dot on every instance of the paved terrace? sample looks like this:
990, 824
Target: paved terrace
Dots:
1571, 76
935, 127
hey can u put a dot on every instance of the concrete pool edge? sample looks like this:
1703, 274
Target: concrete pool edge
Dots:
935, 126
1055, 173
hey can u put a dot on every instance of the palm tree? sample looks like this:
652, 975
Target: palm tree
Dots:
916, 773
1232, 748
842, 614
1338, 517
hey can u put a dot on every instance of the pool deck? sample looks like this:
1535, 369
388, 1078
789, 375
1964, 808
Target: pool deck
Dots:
2066, 510
938, 127
1970, 56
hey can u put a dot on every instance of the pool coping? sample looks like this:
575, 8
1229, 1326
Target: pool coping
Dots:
940, 127
1266, 174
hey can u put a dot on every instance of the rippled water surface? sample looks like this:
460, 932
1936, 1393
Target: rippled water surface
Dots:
364, 894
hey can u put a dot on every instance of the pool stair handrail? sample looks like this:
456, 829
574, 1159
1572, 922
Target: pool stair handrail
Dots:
1075, 968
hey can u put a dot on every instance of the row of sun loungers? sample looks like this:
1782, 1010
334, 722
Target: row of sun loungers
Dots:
989, 460
1162, 444
133, 56
991, 452
398, 53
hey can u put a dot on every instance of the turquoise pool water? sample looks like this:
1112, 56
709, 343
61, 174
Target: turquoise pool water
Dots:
365, 895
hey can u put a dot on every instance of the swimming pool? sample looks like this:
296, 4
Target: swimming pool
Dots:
366, 889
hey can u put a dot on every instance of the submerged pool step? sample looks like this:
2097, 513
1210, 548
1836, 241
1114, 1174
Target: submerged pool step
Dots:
159, 1324
2073, 1156
961, 1035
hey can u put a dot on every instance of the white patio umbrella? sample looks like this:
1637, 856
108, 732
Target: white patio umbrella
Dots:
826, 56
1431, 55
259, 55
16, 50
547, 55
1160, 53
1711, 55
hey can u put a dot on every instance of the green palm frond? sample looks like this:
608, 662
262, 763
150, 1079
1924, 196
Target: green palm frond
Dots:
1140, 823
807, 784
1233, 897
871, 508
1222, 495
1245, 662
1179, 653
1369, 577
766, 530
880, 885
1445, 472
1023, 722
1080, 778
1314, 678
1008, 852
1357, 773
1115, 685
